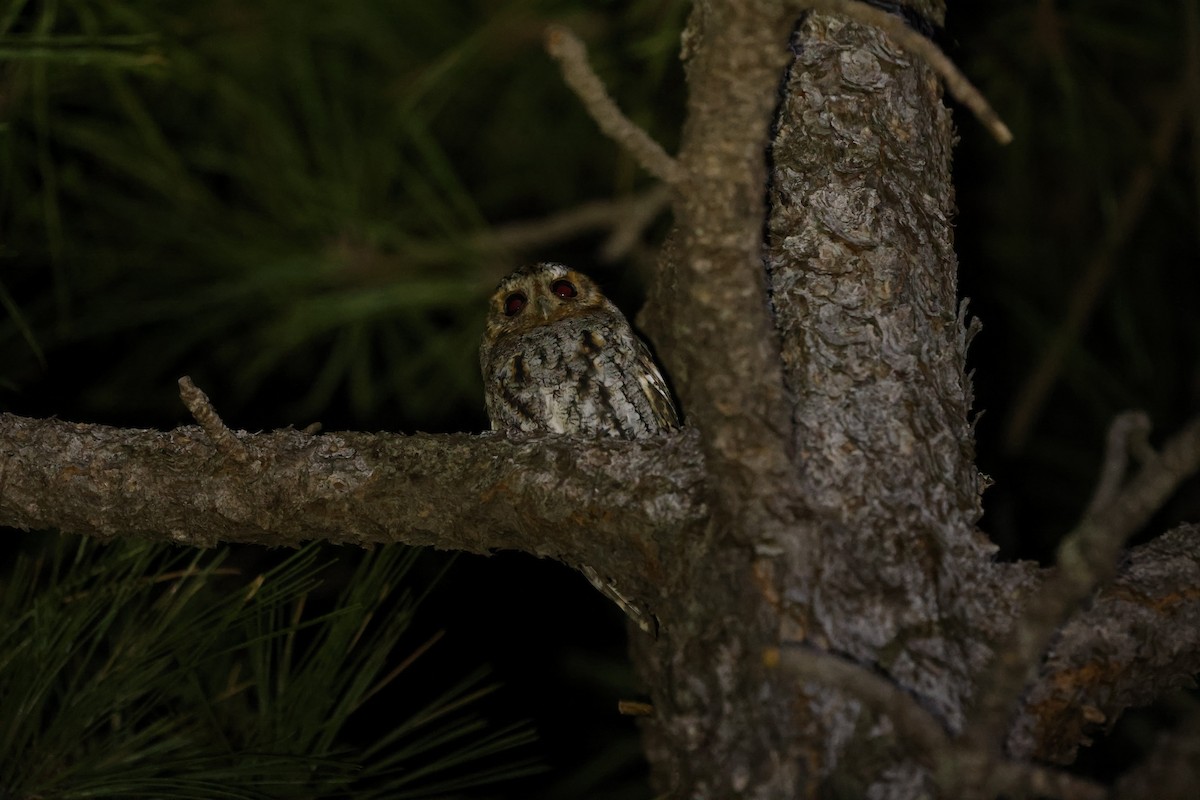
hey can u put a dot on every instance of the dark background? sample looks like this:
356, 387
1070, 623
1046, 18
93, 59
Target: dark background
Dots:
285, 201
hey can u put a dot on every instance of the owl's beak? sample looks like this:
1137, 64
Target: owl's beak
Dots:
544, 307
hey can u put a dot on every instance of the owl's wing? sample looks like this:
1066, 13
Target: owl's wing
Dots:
654, 386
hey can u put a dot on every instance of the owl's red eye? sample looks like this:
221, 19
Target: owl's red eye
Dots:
513, 304
564, 289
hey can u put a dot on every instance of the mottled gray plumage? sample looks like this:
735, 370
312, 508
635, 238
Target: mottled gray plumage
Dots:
558, 356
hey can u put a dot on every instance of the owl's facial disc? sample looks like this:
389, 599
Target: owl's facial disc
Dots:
542, 294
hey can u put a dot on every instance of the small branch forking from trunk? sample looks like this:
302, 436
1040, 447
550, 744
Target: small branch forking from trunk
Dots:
571, 55
202, 411
1126, 437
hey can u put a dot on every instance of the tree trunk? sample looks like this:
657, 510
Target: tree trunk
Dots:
865, 546
879, 560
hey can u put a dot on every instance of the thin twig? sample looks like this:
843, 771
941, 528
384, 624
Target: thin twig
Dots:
895, 27
1086, 557
633, 708
1126, 434
625, 217
568, 50
202, 411
1086, 292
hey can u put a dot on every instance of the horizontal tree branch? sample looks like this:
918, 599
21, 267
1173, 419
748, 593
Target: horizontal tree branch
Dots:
625, 508
613, 504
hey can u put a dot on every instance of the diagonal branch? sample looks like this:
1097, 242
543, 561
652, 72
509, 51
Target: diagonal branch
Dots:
1086, 558
616, 505
565, 47
1126, 436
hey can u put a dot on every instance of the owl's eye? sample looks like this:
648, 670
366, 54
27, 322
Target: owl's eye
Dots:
513, 304
564, 289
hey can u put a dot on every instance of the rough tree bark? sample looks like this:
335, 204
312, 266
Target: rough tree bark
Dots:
826, 608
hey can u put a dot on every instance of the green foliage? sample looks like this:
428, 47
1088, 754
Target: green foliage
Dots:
142, 670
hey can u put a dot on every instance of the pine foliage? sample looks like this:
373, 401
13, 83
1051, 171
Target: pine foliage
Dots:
135, 669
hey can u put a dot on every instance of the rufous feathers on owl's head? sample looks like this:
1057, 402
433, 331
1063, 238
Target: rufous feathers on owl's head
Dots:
541, 294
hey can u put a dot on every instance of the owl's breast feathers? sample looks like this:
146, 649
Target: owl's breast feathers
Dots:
588, 374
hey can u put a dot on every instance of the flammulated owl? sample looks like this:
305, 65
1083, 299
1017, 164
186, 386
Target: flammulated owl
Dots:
558, 356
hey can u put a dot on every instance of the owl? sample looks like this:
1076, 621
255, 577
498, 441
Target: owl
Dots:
558, 356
